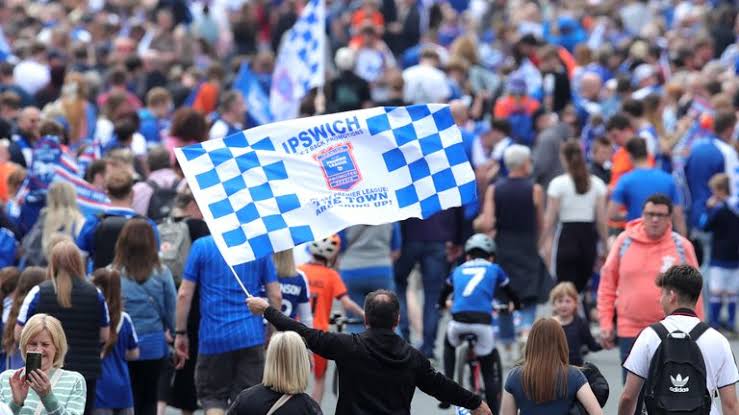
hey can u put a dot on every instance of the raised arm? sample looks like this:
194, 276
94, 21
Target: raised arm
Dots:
332, 346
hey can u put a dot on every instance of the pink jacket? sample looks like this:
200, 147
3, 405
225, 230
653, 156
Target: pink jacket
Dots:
627, 280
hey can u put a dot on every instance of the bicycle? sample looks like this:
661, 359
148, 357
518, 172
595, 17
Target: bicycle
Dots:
340, 322
468, 371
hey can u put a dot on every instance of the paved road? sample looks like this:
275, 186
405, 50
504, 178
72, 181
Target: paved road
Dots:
607, 361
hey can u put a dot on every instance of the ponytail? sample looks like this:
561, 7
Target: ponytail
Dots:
575, 164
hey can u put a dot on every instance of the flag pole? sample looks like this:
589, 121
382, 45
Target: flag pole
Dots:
241, 284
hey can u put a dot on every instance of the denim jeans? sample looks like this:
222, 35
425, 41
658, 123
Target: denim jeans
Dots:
361, 282
625, 344
434, 269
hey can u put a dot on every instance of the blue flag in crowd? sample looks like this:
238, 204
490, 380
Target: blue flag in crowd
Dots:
300, 62
273, 187
257, 100
51, 164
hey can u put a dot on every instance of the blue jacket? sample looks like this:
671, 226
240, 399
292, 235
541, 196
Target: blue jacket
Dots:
151, 305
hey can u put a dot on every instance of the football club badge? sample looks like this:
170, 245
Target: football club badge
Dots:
339, 167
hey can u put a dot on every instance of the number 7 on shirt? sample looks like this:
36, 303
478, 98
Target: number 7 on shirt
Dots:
478, 274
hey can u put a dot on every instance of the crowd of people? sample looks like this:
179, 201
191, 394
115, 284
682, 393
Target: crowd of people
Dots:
603, 136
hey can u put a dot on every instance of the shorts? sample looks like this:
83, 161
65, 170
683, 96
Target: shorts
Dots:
484, 332
724, 280
320, 365
219, 378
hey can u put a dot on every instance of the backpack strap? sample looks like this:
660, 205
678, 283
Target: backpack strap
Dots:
679, 246
661, 330
698, 330
624, 246
154, 186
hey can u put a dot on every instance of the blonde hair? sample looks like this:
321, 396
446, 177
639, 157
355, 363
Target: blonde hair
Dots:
38, 323
720, 182
287, 365
284, 263
65, 264
563, 289
62, 213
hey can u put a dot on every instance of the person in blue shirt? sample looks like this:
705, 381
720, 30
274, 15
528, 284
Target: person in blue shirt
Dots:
154, 117
294, 288
231, 116
474, 285
100, 232
722, 220
709, 156
113, 389
635, 187
231, 340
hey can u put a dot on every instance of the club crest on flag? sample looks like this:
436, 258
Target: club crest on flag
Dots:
283, 83
339, 167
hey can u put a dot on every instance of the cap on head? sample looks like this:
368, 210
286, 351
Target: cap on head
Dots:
482, 242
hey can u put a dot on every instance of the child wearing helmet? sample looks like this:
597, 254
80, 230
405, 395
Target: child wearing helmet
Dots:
325, 286
474, 286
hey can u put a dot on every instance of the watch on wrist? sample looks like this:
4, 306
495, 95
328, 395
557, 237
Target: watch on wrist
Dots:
180, 332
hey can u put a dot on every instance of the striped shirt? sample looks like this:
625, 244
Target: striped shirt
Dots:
67, 396
225, 322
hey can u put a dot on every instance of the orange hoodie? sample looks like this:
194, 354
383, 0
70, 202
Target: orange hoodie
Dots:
627, 288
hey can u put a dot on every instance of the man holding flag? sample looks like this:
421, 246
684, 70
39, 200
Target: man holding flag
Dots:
273, 187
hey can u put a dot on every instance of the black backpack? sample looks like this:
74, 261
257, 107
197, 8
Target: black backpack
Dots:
162, 200
106, 236
676, 383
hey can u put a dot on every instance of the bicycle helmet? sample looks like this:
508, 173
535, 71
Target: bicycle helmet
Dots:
480, 241
327, 247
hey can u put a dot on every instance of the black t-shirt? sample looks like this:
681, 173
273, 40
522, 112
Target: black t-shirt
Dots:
258, 399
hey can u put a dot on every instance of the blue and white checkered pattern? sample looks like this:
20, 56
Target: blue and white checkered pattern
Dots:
244, 196
431, 152
300, 61
276, 186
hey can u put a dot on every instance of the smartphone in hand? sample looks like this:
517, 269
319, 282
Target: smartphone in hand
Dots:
33, 361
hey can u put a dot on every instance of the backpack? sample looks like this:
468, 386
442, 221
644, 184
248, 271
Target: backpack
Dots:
599, 386
676, 381
162, 200
174, 246
33, 250
106, 237
522, 126
346, 98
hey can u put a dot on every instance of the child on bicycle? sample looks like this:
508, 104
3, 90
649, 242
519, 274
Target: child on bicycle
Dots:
325, 285
564, 299
474, 286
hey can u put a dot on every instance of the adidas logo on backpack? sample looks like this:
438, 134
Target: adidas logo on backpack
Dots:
676, 382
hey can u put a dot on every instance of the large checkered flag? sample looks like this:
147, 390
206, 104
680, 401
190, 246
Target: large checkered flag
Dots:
276, 186
300, 62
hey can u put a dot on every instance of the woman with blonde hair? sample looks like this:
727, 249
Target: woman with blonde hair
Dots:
67, 296
294, 286
62, 214
48, 389
74, 110
282, 391
545, 383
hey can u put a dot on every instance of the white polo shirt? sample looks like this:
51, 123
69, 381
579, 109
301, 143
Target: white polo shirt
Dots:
720, 365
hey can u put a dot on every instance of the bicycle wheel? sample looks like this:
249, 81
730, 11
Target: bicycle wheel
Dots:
468, 371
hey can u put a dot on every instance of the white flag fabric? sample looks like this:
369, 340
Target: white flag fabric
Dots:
300, 61
276, 186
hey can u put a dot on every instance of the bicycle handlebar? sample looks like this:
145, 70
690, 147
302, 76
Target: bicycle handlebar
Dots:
338, 319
